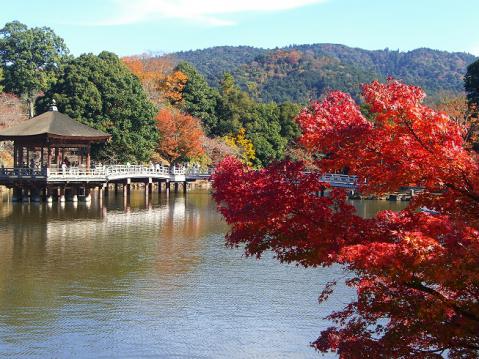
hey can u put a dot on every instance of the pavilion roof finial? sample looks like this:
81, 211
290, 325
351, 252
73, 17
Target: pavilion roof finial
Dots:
53, 105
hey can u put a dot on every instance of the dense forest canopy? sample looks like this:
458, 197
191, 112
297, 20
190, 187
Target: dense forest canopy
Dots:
300, 73
245, 99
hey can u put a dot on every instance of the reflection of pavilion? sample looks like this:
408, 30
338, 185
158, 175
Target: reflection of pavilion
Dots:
54, 257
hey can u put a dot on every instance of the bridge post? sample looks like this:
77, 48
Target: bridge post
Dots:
35, 195
150, 185
116, 189
61, 195
75, 191
176, 187
17, 194
87, 194
26, 195
126, 190
185, 187
147, 192
159, 189
49, 195
167, 187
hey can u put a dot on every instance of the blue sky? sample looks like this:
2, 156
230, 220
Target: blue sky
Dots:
137, 26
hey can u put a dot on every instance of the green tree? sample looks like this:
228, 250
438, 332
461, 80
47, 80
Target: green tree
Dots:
199, 99
289, 127
235, 107
264, 123
264, 131
31, 59
101, 92
471, 84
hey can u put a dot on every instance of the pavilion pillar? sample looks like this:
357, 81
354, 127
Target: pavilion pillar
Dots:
49, 157
57, 156
88, 147
15, 155
20, 156
41, 156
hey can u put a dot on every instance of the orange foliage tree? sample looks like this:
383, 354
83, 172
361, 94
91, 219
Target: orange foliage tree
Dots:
158, 77
181, 136
416, 274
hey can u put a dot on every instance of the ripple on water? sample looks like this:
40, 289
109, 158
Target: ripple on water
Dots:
149, 281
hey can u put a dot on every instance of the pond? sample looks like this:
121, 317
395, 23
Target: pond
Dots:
151, 280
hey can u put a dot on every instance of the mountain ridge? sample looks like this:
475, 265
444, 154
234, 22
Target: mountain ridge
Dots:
303, 72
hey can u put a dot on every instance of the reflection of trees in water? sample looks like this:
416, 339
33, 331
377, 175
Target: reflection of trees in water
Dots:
51, 255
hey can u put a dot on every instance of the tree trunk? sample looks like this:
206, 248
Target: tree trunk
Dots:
31, 110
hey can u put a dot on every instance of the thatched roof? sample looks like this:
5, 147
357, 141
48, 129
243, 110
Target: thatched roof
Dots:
53, 125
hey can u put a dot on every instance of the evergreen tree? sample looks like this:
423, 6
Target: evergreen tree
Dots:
101, 92
31, 59
199, 99
471, 84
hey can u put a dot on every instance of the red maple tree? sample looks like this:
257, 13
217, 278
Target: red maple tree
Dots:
416, 274
181, 135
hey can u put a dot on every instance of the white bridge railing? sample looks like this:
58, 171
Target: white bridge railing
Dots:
118, 172
105, 173
340, 180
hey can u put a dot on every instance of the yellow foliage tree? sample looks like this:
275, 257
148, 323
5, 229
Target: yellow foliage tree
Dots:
172, 86
243, 146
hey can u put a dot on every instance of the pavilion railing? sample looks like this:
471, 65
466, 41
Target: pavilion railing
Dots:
23, 172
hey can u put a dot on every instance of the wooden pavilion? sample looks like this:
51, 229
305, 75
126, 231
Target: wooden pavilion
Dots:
50, 141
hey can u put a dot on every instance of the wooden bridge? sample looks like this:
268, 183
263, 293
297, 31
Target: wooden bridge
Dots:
75, 183
103, 174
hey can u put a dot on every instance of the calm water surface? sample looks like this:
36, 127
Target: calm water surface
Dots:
155, 280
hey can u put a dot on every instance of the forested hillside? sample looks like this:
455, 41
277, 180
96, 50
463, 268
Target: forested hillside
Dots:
300, 73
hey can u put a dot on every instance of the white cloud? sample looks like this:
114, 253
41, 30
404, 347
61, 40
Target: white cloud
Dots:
209, 12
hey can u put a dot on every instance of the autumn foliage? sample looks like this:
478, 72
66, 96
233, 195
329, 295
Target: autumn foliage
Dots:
416, 274
180, 136
158, 77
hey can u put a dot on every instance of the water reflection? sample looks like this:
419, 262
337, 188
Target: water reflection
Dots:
148, 279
